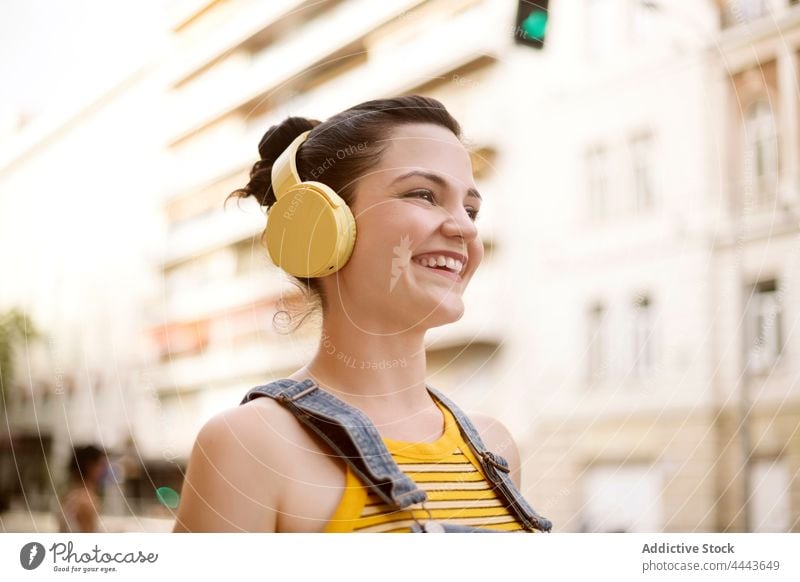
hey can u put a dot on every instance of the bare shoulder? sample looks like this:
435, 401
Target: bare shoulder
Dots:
498, 439
234, 476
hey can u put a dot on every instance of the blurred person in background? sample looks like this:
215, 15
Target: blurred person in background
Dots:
79, 507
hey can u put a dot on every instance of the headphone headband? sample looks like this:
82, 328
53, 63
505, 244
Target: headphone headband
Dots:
284, 169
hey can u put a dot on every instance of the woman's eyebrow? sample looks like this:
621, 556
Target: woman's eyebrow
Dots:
434, 178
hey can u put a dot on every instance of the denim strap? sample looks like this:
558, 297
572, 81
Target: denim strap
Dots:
496, 468
350, 433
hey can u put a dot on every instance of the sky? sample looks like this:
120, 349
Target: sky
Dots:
52, 50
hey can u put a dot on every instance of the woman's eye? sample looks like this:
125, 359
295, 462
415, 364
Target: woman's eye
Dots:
422, 194
473, 213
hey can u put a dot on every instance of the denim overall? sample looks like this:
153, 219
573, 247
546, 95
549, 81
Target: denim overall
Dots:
353, 436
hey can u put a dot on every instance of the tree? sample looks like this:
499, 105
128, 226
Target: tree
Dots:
15, 327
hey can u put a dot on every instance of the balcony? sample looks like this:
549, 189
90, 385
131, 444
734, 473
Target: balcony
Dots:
223, 363
736, 13
199, 302
212, 230
391, 70
227, 29
752, 35
280, 62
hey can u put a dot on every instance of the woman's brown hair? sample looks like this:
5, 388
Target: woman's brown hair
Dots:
337, 152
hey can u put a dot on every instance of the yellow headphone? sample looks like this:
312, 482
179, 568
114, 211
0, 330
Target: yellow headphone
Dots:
310, 230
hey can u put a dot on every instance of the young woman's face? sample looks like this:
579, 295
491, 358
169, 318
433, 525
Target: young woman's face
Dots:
419, 203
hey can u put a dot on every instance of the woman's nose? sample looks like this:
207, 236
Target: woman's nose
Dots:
459, 223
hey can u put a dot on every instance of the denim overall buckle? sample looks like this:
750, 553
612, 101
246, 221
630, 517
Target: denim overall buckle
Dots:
495, 461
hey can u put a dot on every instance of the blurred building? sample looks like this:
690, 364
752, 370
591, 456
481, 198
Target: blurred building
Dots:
630, 323
662, 288
80, 221
758, 262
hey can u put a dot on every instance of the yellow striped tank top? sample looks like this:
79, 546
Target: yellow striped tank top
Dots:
446, 470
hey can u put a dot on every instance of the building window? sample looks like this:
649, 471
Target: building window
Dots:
640, 148
643, 330
597, 343
765, 337
741, 11
596, 164
769, 508
761, 154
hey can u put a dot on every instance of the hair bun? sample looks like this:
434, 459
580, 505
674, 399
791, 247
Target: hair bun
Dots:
279, 137
274, 142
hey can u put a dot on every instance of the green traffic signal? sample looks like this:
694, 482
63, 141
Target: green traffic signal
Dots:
535, 24
531, 23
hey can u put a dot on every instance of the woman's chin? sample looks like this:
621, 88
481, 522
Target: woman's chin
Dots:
439, 323
431, 304
448, 310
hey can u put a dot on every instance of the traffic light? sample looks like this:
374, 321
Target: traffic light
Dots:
531, 22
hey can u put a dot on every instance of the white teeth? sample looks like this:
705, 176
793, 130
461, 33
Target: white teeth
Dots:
441, 261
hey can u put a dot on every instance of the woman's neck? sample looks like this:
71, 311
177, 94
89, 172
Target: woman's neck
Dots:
380, 374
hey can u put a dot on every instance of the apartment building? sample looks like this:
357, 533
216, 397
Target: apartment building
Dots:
758, 257
661, 303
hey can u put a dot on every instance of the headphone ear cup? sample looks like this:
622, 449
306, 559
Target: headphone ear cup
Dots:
310, 231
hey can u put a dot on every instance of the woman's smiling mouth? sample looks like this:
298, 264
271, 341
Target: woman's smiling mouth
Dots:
446, 266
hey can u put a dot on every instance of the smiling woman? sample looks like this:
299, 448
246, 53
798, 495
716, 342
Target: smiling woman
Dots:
372, 212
